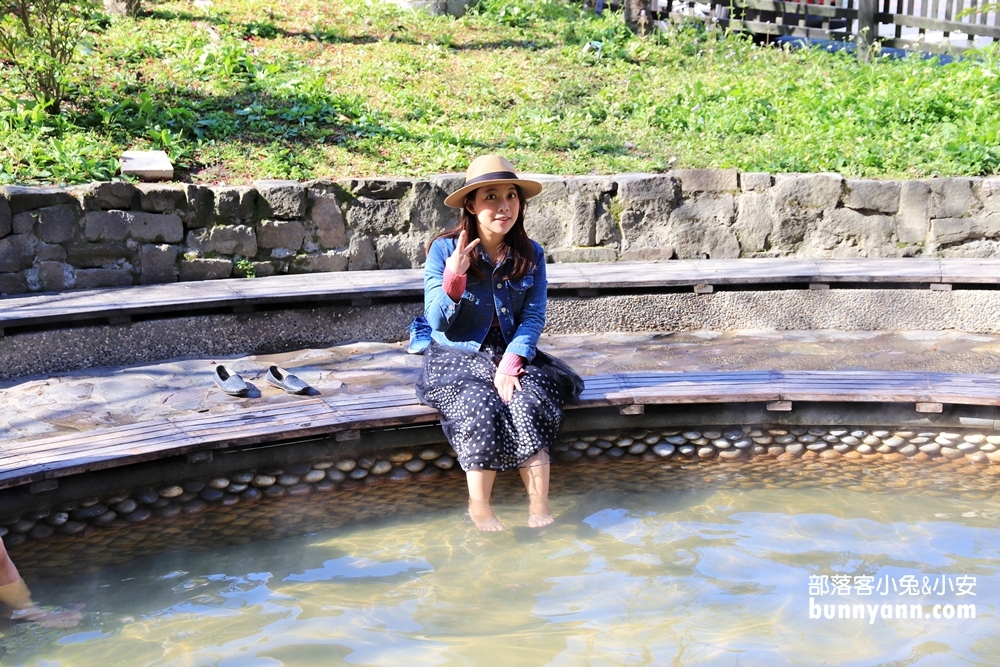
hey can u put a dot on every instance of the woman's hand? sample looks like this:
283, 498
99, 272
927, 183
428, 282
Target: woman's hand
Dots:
458, 262
506, 385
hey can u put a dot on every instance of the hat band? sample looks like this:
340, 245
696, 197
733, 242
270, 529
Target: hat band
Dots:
493, 176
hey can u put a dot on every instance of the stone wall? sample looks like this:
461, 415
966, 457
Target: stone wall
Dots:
115, 234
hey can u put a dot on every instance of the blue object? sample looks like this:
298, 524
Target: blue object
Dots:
518, 304
833, 45
599, 7
420, 335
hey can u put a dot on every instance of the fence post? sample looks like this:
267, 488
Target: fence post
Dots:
866, 28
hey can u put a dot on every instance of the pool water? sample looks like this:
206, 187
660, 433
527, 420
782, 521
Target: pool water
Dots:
716, 572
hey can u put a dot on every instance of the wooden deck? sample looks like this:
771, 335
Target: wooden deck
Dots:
118, 305
342, 417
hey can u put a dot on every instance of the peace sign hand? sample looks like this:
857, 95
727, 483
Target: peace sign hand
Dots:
458, 262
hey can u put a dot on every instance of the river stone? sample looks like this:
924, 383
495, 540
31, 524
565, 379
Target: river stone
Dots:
126, 506
23, 525
288, 479
941, 440
185, 497
794, 449
236, 488
415, 465
730, 454
252, 493
139, 515
817, 446
841, 447
638, 449
691, 435
194, 506
171, 491
325, 486
444, 462
654, 438
993, 439
229, 499
763, 439
838, 432
603, 444
211, 495
616, 452
807, 438
919, 440
568, 456
774, 450
57, 518
72, 528
851, 440
381, 467
264, 481
399, 475
366, 461
830, 454
712, 435
275, 491
401, 457
160, 502
908, 450
581, 445
987, 448
686, 450
302, 489
347, 465
335, 476
86, 513
314, 476
15, 539
883, 449
698, 442
594, 451
104, 519
785, 439
88, 502
706, 452
894, 441
676, 440
758, 450
951, 453
358, 473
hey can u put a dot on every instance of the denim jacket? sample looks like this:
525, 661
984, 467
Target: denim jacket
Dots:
519, 304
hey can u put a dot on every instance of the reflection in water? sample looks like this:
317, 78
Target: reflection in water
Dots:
700, 574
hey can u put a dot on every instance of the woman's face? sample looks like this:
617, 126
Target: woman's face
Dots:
496, 208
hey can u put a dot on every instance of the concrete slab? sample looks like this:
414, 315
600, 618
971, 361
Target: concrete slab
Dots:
147, 165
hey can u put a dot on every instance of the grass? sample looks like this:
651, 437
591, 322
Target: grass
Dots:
243, 89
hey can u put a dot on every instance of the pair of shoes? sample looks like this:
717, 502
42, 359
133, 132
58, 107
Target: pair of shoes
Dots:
420, 335
282, 379
230, 383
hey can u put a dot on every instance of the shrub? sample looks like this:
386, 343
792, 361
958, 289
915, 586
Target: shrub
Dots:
40, 38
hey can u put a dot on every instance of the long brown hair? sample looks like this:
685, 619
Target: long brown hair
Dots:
516, 245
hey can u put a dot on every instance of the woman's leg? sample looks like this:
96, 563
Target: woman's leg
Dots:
535, 475
480, 489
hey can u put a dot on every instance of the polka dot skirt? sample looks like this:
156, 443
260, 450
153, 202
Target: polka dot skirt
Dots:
485, 432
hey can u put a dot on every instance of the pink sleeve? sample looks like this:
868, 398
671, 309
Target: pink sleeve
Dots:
454, 285
511, 364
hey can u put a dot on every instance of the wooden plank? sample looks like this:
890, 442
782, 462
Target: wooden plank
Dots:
938, 24
797, 8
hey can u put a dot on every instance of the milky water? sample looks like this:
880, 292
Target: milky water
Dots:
714, 576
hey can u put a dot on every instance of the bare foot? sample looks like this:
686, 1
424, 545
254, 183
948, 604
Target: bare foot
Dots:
483, 516
539, 514
52, 617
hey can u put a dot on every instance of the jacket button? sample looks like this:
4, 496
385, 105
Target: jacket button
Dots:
503, 310
499, 285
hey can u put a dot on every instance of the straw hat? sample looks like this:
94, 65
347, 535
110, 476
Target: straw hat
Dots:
487, 170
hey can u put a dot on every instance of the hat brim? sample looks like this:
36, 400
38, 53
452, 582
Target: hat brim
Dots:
457, 198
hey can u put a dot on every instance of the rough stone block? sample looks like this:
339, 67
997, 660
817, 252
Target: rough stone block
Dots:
97, 255
548, 217
989, 195
285, 200
633, 187
755, 181
566, 255
119, 225
978, 249
377, 188
105, 196
24, 222
264, 269
945, 231
13, 283
234, 204
847, 233
377, 216
199, 210
55, 276
754, 222
951, 197
281, 234
398, 253
58, 224
6, 217
798, 191
648, 254
27, 199
50, 252
451, 182
428, 214
17, 252
94, 278
224, 240
913, 216
147, 165
329, 261
702, 228
327, 221
157, 264
165, 198
361, 254
708, 180
868, 195
205, 269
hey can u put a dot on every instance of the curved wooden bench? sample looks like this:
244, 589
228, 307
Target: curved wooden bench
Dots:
342, 417
118, 305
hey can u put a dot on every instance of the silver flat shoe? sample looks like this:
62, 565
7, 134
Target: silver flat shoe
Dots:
231, 383
282, 379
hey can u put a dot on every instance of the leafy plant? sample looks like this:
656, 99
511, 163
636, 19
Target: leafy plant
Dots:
246, 268
41, 39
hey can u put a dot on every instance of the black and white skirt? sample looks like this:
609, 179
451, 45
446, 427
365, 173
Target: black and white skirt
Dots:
485, 432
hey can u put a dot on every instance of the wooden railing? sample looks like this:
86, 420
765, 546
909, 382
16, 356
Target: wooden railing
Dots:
935, 26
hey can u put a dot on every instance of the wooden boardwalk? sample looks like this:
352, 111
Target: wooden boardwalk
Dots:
342, 417
118, 305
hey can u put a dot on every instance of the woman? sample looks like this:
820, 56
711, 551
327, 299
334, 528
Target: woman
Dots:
484, 297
